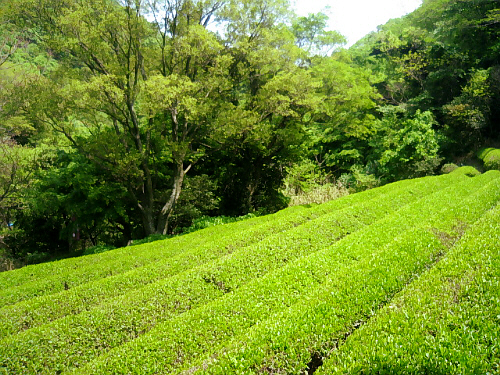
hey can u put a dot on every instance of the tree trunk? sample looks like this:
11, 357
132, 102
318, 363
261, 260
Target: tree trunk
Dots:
168, 208
148, 219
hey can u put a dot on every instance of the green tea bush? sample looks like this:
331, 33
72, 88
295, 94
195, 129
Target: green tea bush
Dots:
124, 318
54, 306
314, 326
446, 322
490, 158
209, 327
448, 168
49, 278
466, 171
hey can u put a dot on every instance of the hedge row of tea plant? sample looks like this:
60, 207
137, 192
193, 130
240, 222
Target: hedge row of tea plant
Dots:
490, 158
447, 322
295, 339
466, 171
36, 311
135, 256
84, 269
85, 335
58, 276
177, 343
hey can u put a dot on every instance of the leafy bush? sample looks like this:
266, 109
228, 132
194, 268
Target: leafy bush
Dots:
97, 249
407, 146
448, 168
306, 183
490, 158
138, 309
363, 179
319, 194
469, 114
443, 323
384, 263
280, 283
467, 171
208, 327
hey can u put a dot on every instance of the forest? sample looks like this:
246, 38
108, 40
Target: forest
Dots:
132, 120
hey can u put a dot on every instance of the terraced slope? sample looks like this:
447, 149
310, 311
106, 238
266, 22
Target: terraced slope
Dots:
278, 294
447, 322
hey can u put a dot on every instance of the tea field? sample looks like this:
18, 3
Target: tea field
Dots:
401, 279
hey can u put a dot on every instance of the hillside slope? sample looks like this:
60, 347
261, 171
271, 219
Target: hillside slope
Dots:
305, 288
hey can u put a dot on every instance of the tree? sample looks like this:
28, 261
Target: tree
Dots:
146, 101
17, 165
405, 146
343, 121
310, 34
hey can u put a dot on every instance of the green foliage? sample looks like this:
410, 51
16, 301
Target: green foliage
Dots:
146, 101
359, 179
219, 277
490, 157
17, 165
469, 113
72, 198
168, 121
443, 323
442, 59
343, 121
448, 168
466, 171
198, 200
306, 183
407, 145
326, 278
310, 34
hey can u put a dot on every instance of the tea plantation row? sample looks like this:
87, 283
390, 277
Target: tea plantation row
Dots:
277, 294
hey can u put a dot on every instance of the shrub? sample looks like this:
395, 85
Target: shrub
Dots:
97, 249
359, 179
122, 319
467, 171
320, 194
441, 322
306, 183
490, 157
448, 168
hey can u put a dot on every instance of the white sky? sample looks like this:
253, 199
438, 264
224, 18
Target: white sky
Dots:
356, 18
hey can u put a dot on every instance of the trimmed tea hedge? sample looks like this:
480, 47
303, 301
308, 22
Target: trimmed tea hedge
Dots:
172, 345
206, 244
294, 339
86, 335
490, 158
270, 294
466, 171
447, 322
75, 339
36, 311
